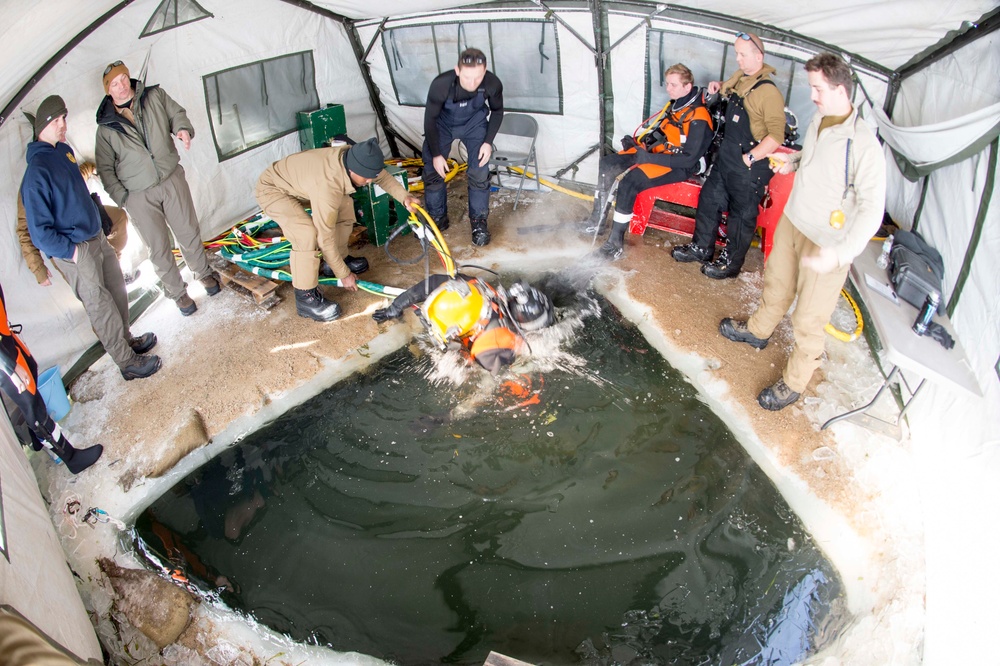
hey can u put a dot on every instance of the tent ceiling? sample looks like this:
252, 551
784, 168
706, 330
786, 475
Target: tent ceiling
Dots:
894, 30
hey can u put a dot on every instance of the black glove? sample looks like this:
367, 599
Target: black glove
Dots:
628, 142
385, 314
936, 331
106, 223
643, 157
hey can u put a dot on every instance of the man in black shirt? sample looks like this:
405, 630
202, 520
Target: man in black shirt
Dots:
466, 104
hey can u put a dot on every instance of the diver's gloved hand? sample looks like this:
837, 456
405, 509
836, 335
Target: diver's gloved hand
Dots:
385, 314
628, 142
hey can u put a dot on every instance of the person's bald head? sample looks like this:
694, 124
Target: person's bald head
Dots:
749, 53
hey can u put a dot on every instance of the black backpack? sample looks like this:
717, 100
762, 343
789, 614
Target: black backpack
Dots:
916, 268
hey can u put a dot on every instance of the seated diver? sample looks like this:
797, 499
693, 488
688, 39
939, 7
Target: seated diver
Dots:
470, 314
666, 148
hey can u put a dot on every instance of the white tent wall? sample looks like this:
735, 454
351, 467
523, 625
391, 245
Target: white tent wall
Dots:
55, 325
34, 578
955, 436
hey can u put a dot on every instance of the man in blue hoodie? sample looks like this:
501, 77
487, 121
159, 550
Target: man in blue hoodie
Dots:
64, 223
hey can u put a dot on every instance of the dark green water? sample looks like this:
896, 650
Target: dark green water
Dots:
615, 521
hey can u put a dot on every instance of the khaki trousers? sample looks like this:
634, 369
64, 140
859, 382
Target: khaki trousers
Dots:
97, 281
784, 279
119, 229
306, 235
157, 212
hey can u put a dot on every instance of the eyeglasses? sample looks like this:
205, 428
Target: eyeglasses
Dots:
116, 63
469, 59
753, 39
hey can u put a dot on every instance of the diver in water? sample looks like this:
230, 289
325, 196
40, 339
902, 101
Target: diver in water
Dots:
468, 313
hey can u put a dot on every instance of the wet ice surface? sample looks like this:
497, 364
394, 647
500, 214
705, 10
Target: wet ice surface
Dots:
424, 513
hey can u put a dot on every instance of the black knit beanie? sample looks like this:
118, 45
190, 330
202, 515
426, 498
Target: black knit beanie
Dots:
365, 159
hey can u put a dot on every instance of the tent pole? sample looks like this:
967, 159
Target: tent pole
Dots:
605, 95
572, 166
974, 30
60, 54
359, 56
977, 230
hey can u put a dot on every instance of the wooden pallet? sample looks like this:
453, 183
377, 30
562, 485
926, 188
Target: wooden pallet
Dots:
260, 290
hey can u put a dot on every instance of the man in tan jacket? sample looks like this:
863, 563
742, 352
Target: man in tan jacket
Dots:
828, 221
322, 180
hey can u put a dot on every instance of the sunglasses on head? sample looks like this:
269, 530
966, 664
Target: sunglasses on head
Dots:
472, 60
748, 37
116, 63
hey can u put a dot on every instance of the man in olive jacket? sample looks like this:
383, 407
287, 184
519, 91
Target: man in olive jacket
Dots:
140, 168
323, 180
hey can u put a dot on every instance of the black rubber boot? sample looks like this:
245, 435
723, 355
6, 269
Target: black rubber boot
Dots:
443, 223
722, 268
614, 248
311, 304
77, 460
480, 234
592, 225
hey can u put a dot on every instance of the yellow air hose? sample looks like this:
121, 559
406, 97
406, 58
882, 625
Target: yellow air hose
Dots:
454, 168
435, 237
843, 335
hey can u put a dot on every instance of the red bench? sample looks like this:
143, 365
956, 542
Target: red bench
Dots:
686, 193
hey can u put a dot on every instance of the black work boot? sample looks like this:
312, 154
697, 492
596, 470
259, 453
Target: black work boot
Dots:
737, 331
143, 343
443, 223
211, 284
777, 396
186, 305
690, 252
77, 460
145, 365
356, 265
480, 234
722, 268
311, 304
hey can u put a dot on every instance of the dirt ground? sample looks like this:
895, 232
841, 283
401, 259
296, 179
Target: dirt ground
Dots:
231, 360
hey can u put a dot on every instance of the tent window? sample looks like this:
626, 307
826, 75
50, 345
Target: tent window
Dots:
172, 14
711, 60
530, 73
255, 103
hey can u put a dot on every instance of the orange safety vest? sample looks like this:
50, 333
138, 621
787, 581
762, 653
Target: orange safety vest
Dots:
22, 350
674, 126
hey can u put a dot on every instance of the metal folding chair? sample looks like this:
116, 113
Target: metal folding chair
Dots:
520, 125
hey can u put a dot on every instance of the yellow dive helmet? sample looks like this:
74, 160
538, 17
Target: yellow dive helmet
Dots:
456, 310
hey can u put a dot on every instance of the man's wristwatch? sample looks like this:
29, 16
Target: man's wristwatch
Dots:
750, 159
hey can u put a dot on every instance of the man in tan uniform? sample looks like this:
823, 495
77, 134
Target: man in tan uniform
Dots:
754, 128
828, 220
322, 180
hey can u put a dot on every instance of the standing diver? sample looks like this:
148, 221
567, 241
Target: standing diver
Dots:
468, 313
